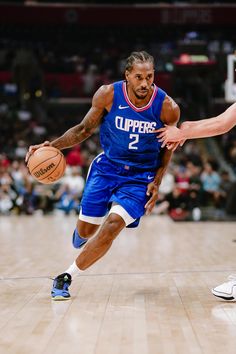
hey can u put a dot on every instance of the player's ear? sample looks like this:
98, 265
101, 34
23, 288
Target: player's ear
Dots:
127, 74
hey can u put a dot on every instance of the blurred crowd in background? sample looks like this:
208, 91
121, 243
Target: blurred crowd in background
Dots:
189, 183
53, 63
71, 62
193, 182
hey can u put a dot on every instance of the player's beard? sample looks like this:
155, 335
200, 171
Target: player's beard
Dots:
140, 97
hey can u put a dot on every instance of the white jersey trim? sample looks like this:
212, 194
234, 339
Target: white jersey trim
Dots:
139, 109
90, 166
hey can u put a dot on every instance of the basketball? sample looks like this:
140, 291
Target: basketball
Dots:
47, 164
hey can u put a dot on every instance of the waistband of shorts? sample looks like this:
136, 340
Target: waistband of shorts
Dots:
130, 168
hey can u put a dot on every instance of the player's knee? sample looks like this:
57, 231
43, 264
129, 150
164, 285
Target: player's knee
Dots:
113, 225
86, 230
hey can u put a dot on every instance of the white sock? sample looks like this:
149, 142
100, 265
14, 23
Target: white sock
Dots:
74, 270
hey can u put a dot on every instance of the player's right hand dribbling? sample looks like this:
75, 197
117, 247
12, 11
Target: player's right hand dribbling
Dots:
33, 148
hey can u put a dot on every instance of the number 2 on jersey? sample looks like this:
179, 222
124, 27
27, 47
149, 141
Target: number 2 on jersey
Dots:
135, 140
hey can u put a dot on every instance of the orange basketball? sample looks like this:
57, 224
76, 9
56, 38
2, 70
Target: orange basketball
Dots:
47, 164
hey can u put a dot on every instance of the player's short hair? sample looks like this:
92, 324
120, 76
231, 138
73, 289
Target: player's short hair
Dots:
138, 57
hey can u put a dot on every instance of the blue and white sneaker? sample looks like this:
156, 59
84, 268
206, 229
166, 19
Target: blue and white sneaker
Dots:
60, 287
78, 241
227, 290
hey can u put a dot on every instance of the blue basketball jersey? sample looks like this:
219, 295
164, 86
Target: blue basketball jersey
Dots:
126, 132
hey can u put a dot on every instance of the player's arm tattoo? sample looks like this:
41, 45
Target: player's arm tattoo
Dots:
102, 99
80, 132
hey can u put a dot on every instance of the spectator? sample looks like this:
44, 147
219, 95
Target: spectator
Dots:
70, 191
211, 183
182, 179
74, 157
226, 185
21, 149
90, 80
177, 204
195, 184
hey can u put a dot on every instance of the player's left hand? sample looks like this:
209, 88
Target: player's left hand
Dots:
33, 148
152, 191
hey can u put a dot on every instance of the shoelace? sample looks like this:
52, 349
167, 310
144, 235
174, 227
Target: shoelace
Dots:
232, 277
60, 282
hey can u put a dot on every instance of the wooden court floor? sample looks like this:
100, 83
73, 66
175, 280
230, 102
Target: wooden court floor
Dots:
149, 295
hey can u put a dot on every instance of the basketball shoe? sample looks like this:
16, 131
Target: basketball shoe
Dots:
77, 240
227, 290
60, 287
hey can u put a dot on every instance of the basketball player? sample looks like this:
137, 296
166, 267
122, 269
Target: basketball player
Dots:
172, 137
123, 181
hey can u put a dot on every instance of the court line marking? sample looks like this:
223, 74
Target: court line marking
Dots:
118, 274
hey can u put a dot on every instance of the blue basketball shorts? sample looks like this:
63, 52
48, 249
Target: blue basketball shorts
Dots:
109, 182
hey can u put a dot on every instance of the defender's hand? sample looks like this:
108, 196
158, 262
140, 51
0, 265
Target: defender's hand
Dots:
168, 134
33, 148
152, 190
173, 146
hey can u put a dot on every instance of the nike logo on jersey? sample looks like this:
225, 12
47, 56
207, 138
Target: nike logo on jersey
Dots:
123, 107
150, 177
